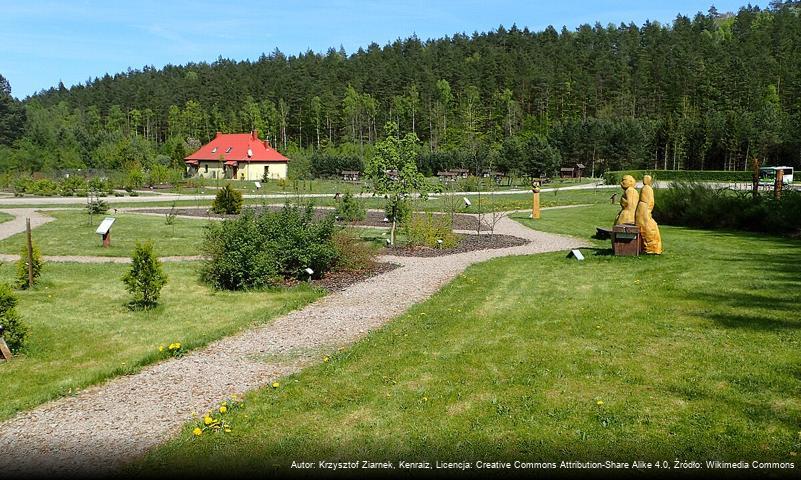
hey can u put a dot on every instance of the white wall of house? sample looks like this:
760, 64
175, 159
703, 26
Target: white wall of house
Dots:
246, 170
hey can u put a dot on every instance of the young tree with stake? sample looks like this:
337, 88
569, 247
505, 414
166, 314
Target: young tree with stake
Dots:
393, 172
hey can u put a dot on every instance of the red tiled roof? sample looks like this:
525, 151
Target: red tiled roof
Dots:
236, 147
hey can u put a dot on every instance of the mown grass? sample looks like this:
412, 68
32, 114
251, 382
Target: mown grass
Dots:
81, 331
4, 217
691, 355
72, 234
510, 201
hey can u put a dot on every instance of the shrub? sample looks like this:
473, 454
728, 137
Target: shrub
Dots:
97, 207
22, 266
44, 187
14, 331
469, 184
350, 209
399, 208
614, 177
72, 185
701, 206
425, 229
146, 278
169, 217
228, 201
259, 250
102, 187
21, 185
352, 252
134, 179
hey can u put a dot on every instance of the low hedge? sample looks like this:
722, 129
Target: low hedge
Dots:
701, 206
614, 177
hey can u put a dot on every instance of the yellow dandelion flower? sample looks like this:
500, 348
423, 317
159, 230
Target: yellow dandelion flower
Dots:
161, 348
207, 420
223, 409
227, 430
599, 402
276, 384
325, 359
197, 432
425, 399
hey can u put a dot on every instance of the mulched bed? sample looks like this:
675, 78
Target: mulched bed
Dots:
373, 219
340, 280
468, 243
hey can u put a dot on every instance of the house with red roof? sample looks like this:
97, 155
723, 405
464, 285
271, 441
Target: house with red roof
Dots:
240, 156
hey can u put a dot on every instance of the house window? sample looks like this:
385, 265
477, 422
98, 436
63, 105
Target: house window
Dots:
228, 150
266, 170
214, 150
206, 168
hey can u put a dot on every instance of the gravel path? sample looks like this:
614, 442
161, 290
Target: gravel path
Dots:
103, 427
17, 224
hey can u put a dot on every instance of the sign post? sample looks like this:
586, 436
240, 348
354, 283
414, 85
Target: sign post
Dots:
105, 230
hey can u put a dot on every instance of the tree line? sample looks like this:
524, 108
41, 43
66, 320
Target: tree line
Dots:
710, 91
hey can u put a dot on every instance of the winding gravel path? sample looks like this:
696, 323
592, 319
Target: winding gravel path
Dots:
103, 427
17, 224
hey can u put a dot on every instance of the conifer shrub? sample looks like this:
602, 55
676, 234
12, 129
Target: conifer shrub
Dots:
350, 209
14, 331
22, 266
146, 278
228, 201
97, 207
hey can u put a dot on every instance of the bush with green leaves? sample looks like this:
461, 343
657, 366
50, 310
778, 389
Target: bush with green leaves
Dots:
353, 253
146, 278
44, 187
72, 185
14, 331
228, 201
261, 249
350, 209
22, 266
702, 206
397, 208
426, 229
614, 177
100, 186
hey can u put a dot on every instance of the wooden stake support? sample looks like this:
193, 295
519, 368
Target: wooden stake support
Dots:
30, 252
5, 352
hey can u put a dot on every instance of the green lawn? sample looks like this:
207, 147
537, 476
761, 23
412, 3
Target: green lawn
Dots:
4, 217
692, 355
72, 234
508, 201
81, 332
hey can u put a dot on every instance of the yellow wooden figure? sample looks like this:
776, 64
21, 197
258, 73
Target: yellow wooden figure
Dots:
628, 201
649, 230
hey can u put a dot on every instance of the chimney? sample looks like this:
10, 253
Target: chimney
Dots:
254, 135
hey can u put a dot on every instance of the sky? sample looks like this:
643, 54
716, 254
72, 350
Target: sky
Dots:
44, 42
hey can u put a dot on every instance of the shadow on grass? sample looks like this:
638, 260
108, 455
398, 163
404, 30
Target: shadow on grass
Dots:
599, 252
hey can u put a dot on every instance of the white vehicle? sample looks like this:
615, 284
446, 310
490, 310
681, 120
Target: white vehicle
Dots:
767, 175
